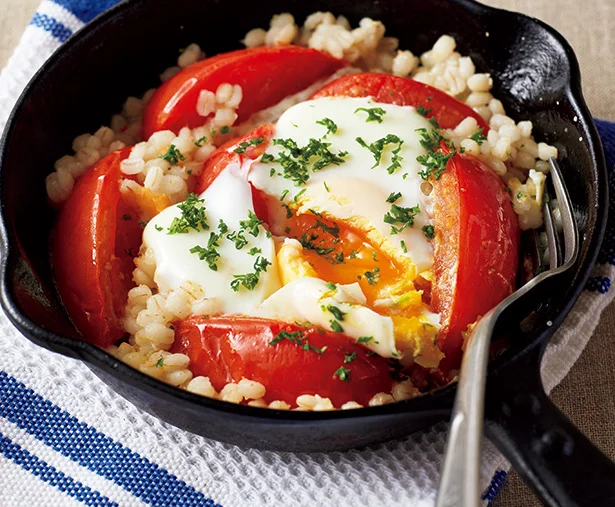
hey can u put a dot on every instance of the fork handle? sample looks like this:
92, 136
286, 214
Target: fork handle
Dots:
554, 458
459, 483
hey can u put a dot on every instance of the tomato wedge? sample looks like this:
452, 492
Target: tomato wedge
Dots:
95, 238
401, 91
477, 233
476, 246
266, 75
227, 349
257, 143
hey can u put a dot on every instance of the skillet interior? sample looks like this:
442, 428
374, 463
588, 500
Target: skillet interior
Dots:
122, 52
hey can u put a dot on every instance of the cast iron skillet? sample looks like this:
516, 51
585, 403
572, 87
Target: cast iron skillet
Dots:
121, 53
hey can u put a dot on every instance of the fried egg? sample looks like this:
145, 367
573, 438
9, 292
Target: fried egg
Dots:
177, 260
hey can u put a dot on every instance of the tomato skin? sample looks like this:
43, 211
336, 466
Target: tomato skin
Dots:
401, 91
227, 349
225, 155
476, 247
266, 75
91, 252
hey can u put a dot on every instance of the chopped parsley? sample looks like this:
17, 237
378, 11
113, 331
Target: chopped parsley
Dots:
296, 161
298, 339
478, 136
160, 363
209, 254
200, 142
434, 163
373, 113
284, 194
519, 195
267, 157
365, 339
244, 145
251, 224
225, 130
402, 216
334, 230
222, 227
326, 187
436, 159
339, 258
299, 194
173, 155
193, 216
373, 276
336, 326
342, 374
429, 231
331, 286
377, 147
350, 357
402, 244
250, 280
423, 111
158, 228
394, 196
336, 312
330, 124
254, 251
238, 238
307, 242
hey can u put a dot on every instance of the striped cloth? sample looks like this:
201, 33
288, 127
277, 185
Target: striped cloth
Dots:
67, 439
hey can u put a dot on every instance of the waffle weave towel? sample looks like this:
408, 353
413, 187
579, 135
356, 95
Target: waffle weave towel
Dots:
67, 439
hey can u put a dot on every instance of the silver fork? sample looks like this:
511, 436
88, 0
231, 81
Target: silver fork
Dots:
459, 483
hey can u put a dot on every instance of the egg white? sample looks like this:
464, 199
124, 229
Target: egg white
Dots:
229, 198
355, 190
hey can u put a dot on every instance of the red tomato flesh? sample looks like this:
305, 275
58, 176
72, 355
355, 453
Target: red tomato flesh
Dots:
401, 91
95, 237
265, 74
227, 349
225, 155
476, 247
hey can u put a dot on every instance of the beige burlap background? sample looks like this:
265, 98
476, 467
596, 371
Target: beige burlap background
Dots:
586, 395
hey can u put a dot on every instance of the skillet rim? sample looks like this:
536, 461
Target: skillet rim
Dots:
434, 401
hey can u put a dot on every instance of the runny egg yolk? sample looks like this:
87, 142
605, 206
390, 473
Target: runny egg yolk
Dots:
343, 256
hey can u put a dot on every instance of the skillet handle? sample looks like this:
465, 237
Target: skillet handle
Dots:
554, 458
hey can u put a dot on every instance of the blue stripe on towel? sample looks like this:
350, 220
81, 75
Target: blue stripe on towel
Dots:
494, 487
86, 10
51, 475
93, 450
52, 25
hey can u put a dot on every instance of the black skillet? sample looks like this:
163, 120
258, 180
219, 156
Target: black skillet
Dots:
122, 52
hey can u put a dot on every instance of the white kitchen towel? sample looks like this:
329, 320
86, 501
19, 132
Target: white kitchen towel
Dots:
67, 439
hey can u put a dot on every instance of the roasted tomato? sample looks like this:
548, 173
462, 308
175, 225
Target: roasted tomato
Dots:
477, 233
476, 246
388, 89
256, 142
266, 75
94, 241
289, 360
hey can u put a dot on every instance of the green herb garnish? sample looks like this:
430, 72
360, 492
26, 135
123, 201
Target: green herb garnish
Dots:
402, 216
373, 276
173, 155
342, 373
193, 216
330, 124
244, 145
429, 231
373, 113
